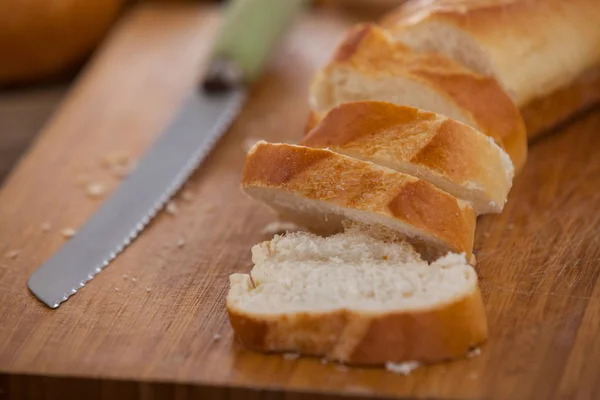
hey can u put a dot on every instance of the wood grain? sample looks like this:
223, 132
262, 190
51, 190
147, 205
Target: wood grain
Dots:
155, 337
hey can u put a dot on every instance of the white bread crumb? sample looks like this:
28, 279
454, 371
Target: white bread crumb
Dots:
474, 352
181, 243
46, 227
216, 337
116, 158
13, 254
291, 356
172, 208
116, 289
148, 289
95, 189
68, 232
133, 280
403, 368
187, 195
279, 227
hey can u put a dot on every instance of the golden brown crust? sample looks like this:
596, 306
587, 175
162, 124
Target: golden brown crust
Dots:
532, 47
348, 183
444, 152
542, 114
368, 50
429, 335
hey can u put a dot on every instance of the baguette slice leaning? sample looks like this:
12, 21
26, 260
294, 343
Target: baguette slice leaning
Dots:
448, 154
318, 189
357, 300
370, 65
532, 47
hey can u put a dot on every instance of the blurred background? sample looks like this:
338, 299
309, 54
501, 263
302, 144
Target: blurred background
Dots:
45, 44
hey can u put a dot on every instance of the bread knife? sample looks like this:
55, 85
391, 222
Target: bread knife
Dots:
248, 32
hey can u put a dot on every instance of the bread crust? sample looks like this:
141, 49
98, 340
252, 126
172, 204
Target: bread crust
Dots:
342, 182
371, 52
535, 46
439, 333
543, 114
461, 159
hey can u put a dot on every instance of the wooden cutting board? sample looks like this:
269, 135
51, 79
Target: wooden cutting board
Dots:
153, 324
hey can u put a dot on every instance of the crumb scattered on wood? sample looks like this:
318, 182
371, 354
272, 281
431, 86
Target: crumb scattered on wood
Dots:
125, 276
187, 195
95, 189
181, 243
116, 157
279, 227
216, 337
474, 352
172, 208
403, 368
68, 232
13, 254
116, 289
291, 356
46, 226
148, 289
133, 280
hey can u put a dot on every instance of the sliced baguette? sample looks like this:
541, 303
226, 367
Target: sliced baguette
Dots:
357, 300
318, 189
534, 48
448, 154
369, 65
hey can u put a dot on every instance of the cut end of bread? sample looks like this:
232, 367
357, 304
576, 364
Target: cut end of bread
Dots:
356, 299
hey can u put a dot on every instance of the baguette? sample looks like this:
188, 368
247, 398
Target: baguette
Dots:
448, 154
357, 300
535, 48
319, 189
369, 65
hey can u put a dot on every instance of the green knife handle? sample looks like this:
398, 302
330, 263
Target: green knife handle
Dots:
249, 30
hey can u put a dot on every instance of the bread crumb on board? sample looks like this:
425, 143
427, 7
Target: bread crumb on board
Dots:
216, 337
181, 243
403, 368
95, 189
116, 157
279, 227
187, 195
474, 352
291, 356
172, 208
46, 226
13, 254
68, 232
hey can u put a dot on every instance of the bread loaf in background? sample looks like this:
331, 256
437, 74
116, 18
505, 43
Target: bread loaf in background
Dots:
537, 49
448, 154
369, 65
43, 38
319, 189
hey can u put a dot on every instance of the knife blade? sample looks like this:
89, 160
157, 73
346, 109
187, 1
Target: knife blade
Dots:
248, 32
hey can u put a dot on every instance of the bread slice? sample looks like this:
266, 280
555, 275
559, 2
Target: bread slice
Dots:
369, 65
318, 189
448, 154
532, 47
357, 300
